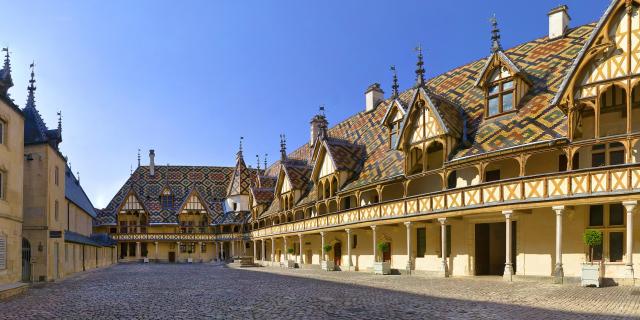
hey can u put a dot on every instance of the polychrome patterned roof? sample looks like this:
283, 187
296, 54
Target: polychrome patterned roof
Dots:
210, 183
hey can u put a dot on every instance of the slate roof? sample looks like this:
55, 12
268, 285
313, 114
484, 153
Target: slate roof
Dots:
74, 193
211, 184
97, 240
35, 129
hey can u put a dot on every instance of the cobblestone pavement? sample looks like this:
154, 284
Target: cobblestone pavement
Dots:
137, 291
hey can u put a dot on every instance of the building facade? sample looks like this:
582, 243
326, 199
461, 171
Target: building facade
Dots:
496, 167
11, 168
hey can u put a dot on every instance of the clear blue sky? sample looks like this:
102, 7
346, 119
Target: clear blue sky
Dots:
188, 78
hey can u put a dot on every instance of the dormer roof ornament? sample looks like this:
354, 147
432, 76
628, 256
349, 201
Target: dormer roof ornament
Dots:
394, 86
495, 35
419, 68
283, 147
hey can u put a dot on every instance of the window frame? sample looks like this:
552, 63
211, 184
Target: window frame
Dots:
499, 94
3, 180
3, 131
606, 149
394, 130
607, 229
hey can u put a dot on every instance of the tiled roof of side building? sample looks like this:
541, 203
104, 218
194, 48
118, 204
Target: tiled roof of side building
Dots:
211, 184
74, 193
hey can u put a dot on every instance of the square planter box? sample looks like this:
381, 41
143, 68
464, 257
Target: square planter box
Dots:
189, 260
382, 267
145, 260
327, 265
591, 274
291, 264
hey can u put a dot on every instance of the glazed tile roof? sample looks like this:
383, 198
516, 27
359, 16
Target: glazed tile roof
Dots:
458, 101
346, 156
242, 178
211, 184
262, 195
298, 172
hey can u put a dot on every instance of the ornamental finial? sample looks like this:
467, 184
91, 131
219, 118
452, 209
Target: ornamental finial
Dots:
419, 67
283, 147
258, 161
495, 35
394, 86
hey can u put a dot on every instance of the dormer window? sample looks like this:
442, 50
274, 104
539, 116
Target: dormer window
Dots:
500, 93
167, 200
394, 133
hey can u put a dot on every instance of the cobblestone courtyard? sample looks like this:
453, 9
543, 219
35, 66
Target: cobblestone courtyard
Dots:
213, 291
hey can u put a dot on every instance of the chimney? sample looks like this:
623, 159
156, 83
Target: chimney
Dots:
558, 22
373, 96
152, 164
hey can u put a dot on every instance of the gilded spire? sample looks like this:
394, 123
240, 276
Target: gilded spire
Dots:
495, 35
394, 86
283, 147
31, 98
419, 68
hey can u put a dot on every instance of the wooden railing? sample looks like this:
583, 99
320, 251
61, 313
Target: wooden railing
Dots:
179, 236
559, 185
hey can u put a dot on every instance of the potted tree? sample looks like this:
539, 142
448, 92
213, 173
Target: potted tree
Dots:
592, 272
290, 263
326, 264
380, 266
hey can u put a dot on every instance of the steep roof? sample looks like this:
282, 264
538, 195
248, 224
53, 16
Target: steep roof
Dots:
74, 193
210, 182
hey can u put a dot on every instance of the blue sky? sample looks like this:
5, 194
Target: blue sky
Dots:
188, 78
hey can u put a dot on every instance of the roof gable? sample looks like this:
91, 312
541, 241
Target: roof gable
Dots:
499, 59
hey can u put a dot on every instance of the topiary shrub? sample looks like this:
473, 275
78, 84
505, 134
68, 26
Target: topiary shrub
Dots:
592, 238
290, 250
327, 248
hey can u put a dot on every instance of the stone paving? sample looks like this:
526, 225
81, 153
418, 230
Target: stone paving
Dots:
160, 291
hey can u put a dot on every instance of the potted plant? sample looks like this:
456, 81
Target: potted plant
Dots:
291, 263
592, 272
380, 266
325, 263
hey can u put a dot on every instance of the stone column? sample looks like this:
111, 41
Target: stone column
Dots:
628, 269
558, 272
244, 247
233, 248
508, 264
409, 249
285, 253
349, 265
263, 255
300, 260
273, 250
375, 243
443, 247
138, 255
178, 251
156, 249
322, 246
216, 251
255, 251
199, 250
222, 257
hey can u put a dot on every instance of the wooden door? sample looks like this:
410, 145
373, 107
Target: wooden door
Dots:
172, 257
337, 253
386, 256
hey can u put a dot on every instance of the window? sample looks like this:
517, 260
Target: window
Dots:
235, 206
607, 154
56, 176
132, 249
2, 183
56, 207
451, 180
562, 162
3, 125
608, 219
421, 238
167, 200
3, 252
394, 134
203, 247
143, 249
500, 93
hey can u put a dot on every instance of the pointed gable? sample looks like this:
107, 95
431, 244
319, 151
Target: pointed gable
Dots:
503, 65
334, 154
193, 203
430, 116
241, 180
131, 203
609, 53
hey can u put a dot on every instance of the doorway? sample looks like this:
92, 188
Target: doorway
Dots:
490, 248
386, 255
172, 256
337, 254
26, 260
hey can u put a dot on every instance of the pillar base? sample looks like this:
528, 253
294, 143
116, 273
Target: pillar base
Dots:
443, 272
558, 274
508, 272
409, 268
629, 275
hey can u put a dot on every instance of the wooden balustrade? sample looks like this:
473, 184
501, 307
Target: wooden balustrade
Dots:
616, 180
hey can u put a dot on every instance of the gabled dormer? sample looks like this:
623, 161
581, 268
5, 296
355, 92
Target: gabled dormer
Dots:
502, 82
193, 215
392, 120
431, 129
336, 161
132, 217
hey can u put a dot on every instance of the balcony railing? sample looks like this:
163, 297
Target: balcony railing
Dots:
545, 187
178, 236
